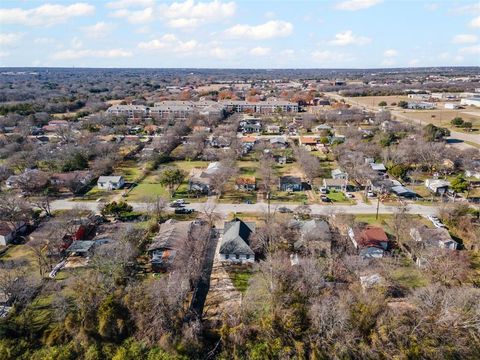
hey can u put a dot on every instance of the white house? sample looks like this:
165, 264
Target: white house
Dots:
110, 182
9, 231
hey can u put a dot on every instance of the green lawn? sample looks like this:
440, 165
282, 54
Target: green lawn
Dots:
96, 193
238, 197
338, 196
145, 190
130, 170
240, 278
409, 277
297, 197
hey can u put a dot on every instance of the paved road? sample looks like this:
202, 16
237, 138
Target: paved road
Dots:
456, 138
328, 209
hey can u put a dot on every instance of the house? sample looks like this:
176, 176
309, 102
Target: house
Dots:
110, 182
82, 178
234, 245
321, 128
314, 235
371, 241
83, 248
248, 140
245, 183
308, 141
273, 129
9, 231
380, 168
251, 126
383, 185
335, 184
28, 176
336, 139
220, 142
278, 143
169, 240
290, 183
404, 192
437, 186
473, 173
339, 174
437, 237
200, 180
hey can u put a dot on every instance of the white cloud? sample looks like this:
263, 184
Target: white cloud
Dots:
4, 54
186, 14
73, 54
475, 22
191, 13
100, 29
45, 15
390, 53
76, 43
330, 57
354, 5
466, 9
122, 4
464, 39
259, 51
136, 16
471, 50
170, 43
9, 38
268, 30
348, 38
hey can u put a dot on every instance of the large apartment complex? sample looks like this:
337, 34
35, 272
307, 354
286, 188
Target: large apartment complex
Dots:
183, 109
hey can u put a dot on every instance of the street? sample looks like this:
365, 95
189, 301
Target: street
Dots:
222, 208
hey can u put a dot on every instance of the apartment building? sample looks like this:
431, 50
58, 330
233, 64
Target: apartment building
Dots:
265, 107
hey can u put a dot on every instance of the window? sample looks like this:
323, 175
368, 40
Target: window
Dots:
237, 256
248, 257
226, 256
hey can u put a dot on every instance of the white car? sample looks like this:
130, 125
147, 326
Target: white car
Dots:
350, 195
436, 221
371, 194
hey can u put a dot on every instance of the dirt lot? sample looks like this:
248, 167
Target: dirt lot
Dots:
443, 117
375, 100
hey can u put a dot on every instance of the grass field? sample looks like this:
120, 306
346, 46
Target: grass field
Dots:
130, 170
240, 278
409, 277
296, 197
338, 196
442, 117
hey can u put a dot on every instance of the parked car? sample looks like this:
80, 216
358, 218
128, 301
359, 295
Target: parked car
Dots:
349, 195
284, 210
436, 221
184, 211
176, 205
323, 190
371, 194
325, 198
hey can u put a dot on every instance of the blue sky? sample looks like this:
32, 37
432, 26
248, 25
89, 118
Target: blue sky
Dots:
239, 34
